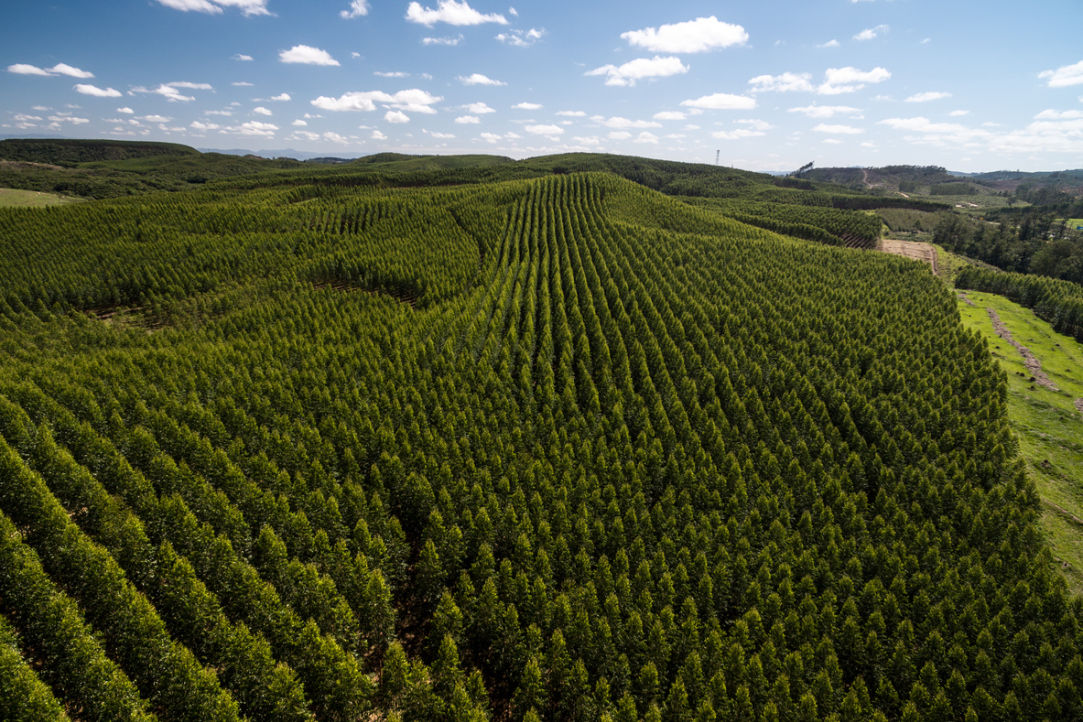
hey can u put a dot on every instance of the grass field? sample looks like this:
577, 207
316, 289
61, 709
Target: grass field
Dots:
23, 199
1049, 427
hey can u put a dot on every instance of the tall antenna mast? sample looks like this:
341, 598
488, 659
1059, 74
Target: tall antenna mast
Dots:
716, 154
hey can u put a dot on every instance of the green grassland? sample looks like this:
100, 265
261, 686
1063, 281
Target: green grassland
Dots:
1049, 427
10, 197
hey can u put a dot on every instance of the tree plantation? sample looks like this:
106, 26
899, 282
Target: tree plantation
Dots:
553, 448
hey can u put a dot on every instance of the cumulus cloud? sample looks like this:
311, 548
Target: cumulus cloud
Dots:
849, 80
755, 124
155, 118
303, 135
478, 79
620, 135
872, 33
527, 106
307, 55
214, 7
260, 110
959, 113
452, 13
670, 115
1062, 77
928, 96
838, 129
97, 92
630, 72
282, 97
254, 127
377, 135
787, 82
721, 101
441, 136
442, 41
646, 137
478, 108
241, 84
199, 125
623, 123
490, 137
414, 100
695, 36
520, 38
242, 57
829, 44
299, 123
468, 120
737, 134
58, 69
127, 111
572, 113
826, 111
396, 116
169, 90
1058, 115
357, 9
553, 132
392, 74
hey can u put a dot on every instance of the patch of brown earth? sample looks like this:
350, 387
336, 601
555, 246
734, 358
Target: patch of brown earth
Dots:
961, 295
911, 249
1033, 365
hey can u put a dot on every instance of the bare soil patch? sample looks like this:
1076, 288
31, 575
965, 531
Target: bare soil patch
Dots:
965, 299
1033, 364
911, 249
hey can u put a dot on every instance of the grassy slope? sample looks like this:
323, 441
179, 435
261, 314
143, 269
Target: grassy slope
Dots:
10, 197
1049, 428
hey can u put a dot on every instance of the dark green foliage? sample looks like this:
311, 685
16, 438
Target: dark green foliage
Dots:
23, 695
622, 458
62, 152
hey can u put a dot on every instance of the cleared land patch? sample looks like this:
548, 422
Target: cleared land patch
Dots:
910, 249
19, 198
1047, 421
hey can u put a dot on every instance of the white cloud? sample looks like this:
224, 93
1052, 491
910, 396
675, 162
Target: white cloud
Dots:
304, 135
442, 136
571, 113
829, 44
1059, 115
170, 92
849, 80
787, 82
478, 108
299, 123
553, 132
225, 113
478, 79
527, 106
67, 118
620, 135
307, 55
490, 137
521, 39
281, 98
721, 101
1062, 77
694, 36
838, 129
755, 124
199, 125
377, 135
248, 7
396, 116
64, 69
452, 13
442, 41
24, 69
336, 138
468, 120
42, 108
24, 118
630, 72
927, 97
670, 115
260, 110
357, 9
676, 136
959, 113
155, 118
254, 127
127, 111
872, 33
414, 100
591, 140
646, 137
832, 141
241, 84
623, 123
97, 92
826, 111
737, 134
240, 56
391, 74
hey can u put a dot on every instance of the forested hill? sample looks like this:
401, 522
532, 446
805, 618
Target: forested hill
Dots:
560, 448
64, 152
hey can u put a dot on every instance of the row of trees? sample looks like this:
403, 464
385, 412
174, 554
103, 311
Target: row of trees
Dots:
633, 460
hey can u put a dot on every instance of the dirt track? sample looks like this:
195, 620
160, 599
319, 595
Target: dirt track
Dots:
1033, 364
911, 249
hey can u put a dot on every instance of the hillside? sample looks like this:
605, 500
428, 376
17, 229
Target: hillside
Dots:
560, 447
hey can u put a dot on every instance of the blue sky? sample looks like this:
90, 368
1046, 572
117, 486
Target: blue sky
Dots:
772, 84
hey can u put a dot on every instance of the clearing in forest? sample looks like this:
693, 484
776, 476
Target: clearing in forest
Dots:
910, 249
1047, 421
22, 199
